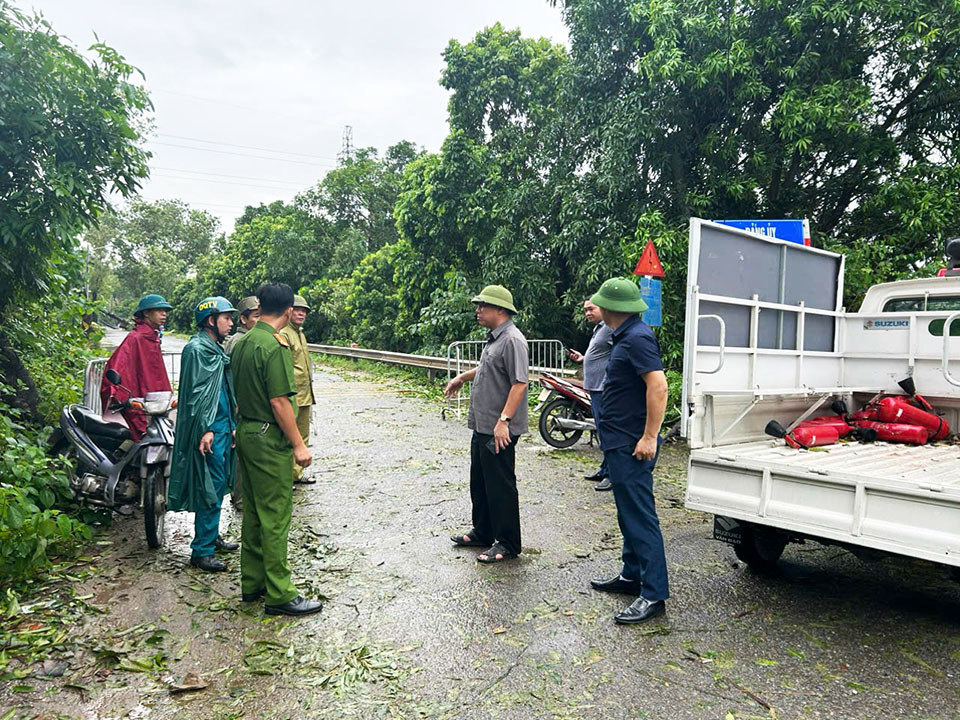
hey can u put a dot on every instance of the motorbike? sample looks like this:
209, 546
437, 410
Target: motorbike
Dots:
114, 471
565, 411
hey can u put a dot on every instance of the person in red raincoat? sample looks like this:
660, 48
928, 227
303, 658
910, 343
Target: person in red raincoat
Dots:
139, 362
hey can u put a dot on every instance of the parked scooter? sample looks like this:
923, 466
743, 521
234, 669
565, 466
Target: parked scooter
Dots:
565, 411
115, 472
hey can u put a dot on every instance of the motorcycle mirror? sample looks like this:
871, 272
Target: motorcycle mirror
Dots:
839, 407
908, 386
113, 376
775, 429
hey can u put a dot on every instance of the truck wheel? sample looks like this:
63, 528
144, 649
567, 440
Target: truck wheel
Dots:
760, 548
154, 505
553, 434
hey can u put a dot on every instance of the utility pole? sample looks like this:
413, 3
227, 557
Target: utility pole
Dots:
346, 150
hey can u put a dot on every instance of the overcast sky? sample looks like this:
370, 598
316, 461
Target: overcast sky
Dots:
234, 80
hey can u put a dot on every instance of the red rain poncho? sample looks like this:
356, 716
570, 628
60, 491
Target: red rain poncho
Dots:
141, 368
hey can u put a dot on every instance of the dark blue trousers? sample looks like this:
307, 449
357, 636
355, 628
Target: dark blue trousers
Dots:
643, 555
595, 396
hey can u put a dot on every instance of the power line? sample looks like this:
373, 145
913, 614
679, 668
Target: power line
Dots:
200, 204
303, 119
223, 182
246, 147
226, 175
244, 155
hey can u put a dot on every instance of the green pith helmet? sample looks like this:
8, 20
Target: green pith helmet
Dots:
619, 295
300, 302
496, 295
209, 306
248, 304
151, 302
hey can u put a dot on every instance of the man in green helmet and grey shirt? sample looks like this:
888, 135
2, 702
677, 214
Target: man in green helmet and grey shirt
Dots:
498, 417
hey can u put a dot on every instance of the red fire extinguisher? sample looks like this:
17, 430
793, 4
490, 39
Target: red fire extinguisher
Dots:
837, 422
898, 409
896, 432
813, 435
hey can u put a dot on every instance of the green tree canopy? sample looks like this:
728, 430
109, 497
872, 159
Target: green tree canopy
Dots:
70, 131
148, 247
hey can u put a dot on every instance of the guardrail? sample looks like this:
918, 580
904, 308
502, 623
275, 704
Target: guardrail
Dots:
457, 361
430, 362
394, 358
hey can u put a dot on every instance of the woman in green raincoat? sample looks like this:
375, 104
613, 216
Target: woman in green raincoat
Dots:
203, 464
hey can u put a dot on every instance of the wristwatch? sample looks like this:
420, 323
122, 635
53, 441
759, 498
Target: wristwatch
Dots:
504, 418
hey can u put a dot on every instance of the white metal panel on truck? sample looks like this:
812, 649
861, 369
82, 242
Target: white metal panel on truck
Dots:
762, 326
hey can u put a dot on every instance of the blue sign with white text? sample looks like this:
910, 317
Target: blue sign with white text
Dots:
795, 231
650, 292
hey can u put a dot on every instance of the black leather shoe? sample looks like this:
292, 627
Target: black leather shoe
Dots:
208, 563
596, 477
296, 607
253, 597
222, 544
616, 584
640, 610
604, 484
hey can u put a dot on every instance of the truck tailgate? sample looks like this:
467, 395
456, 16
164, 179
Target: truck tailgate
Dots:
896, 498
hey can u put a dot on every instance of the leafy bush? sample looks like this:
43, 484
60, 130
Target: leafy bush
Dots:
327, 321
55, 346
35, 496
34, 491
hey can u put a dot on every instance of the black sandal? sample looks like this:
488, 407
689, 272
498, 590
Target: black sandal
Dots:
490, 556
472, 542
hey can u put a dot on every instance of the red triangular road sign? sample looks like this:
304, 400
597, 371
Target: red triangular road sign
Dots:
649, 262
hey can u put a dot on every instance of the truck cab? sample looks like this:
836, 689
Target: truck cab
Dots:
767, 338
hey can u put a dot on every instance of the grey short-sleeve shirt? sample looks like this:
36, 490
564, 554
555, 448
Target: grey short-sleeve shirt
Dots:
503, 363
596, 357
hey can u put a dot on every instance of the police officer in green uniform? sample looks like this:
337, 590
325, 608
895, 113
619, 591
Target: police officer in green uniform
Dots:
268, 442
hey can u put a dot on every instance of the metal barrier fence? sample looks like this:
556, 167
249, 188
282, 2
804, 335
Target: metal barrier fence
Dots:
93, 377
546, 356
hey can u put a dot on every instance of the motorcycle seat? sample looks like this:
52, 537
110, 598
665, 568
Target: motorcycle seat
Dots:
93, 424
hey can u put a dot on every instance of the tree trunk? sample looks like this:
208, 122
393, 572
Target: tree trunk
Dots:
14, 374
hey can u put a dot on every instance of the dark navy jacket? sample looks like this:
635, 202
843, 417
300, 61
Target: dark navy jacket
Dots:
623, 406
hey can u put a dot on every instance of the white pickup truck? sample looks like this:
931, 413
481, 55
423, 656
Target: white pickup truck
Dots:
766, 337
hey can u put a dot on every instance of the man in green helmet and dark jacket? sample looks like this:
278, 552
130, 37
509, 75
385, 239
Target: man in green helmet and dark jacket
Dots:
202, 470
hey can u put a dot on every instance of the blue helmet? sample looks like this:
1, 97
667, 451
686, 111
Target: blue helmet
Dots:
211, 306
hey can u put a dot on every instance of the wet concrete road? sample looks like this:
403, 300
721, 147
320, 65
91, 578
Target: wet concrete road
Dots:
416, 628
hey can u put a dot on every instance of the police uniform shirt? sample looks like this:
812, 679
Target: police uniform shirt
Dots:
262, 369
503, 363
623, 415
302, 371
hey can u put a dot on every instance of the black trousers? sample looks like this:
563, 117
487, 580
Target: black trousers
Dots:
493, 491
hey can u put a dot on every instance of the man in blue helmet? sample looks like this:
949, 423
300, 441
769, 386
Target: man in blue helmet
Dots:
202, 469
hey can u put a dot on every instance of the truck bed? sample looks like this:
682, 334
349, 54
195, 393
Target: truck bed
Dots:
895, 498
